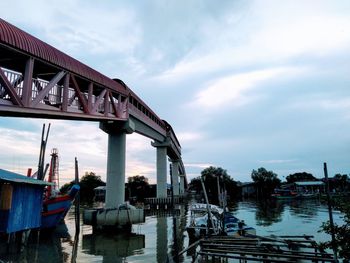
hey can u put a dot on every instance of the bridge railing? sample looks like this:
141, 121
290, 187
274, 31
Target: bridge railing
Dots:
140, 110
54, 97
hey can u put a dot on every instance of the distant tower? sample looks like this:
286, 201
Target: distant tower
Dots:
53, 173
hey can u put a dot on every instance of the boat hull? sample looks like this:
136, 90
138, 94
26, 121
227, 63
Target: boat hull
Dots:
55, 209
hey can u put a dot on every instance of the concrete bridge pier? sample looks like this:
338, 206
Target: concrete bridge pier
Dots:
111, 216
161, 172
161, 169
115, 188
182, 184
175, 176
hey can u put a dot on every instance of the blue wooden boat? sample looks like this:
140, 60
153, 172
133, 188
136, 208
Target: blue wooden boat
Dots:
56, 208
233, 226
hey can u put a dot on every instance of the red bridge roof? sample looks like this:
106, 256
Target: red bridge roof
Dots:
20, 40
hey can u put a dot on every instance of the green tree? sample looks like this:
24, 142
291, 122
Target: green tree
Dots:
268, 212
212, 176
298, 177
341, 232
138, 187
339, 182
87, 185
195, 184
265, 181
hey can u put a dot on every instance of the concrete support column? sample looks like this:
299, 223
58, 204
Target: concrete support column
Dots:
182, 184
115, 188
175, 177
161, 171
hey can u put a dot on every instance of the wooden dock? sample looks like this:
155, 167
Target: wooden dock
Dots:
258, 249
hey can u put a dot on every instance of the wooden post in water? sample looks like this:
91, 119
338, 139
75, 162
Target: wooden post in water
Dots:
219, 192
77, 216
208, 207
330, 210
172, 186
77, 199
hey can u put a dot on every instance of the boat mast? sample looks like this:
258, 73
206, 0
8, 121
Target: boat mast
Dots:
41, 173
208, 206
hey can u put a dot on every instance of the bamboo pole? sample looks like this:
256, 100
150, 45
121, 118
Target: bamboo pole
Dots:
330, 211
208, 207
77, 216
190, 246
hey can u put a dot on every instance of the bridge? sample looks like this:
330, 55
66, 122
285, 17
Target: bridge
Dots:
39, 81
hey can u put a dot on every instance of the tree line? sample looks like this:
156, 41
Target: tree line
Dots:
138, 188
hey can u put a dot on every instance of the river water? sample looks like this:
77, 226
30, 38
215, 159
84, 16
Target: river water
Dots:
156, 241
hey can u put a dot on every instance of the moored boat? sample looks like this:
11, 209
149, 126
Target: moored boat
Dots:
215, 222
208, 219
55, 204
284, 194
204, 220
56, 208
233, 226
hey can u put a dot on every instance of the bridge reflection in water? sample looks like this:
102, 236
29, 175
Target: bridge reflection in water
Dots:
154, 240
157, 240
113, 248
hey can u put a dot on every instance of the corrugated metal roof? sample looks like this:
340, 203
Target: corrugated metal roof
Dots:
17, 38
309, 183
18, 178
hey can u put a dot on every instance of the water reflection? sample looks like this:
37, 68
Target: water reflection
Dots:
113, 247
170, 229
162, 236
305, 208
179, 222
268, 212
50, 245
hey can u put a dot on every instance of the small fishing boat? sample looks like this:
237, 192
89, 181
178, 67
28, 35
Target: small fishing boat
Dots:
56, 208
208, 219
216, 221
233, 226
284, 194
204, 220
55, 204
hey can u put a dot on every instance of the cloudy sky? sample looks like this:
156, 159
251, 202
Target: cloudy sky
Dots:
244, 84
